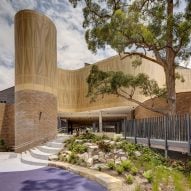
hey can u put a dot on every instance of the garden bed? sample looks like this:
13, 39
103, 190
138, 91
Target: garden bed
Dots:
140, 168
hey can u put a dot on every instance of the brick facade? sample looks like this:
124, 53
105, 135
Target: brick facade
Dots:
183, 105
35, 118
7, 124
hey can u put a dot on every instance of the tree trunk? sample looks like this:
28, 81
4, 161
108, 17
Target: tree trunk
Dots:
170, 57
171, 91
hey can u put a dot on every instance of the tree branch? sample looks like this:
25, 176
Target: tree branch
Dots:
142, 56
161, 111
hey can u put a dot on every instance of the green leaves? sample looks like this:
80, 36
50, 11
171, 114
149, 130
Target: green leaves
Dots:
101, 83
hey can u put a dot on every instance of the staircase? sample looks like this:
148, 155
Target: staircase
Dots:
39, 155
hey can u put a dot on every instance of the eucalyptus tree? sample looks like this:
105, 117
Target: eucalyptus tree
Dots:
137, 28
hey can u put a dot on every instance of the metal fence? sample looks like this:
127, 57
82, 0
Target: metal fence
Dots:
175, 128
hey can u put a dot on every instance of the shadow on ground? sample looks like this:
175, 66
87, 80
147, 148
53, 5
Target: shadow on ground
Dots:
46, 179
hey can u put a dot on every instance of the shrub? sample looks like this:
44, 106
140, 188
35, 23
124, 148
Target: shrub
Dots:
129, 179
148, 175
111, 165
126, 164
73, 158
119, 169
88, 136
128, 147
105, 147
134, 170
78, 148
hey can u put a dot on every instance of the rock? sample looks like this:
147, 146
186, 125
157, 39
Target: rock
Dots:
95, 157
79, 141
90, 162
84, 156
92, 150
99, 165
107, 141
93, 147
68, 152
123, 158
112, 142
110, 161
101, 154
67, 157
121, 153
87, 144
109, 155
102, 160
118, 161
137, 153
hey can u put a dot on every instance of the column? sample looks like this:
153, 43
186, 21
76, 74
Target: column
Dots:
100, 122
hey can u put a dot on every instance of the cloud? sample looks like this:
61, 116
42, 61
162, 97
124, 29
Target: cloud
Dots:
72, 51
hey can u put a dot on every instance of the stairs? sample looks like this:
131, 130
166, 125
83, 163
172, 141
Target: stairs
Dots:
39, 155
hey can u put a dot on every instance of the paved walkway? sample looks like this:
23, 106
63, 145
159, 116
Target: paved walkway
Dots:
10, 162
46, 179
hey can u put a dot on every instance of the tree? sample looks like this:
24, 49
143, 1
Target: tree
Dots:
134, 28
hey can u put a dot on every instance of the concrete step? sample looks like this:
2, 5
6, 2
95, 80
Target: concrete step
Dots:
38, 156
36, 153
54, 144
47, 149
28, 159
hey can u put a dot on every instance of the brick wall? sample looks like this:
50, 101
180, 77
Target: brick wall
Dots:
7, 131
35, 119
183, 105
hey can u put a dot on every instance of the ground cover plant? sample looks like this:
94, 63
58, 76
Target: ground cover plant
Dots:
136, 165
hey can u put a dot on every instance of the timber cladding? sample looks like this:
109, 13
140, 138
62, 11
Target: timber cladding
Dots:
72, 87
35, 52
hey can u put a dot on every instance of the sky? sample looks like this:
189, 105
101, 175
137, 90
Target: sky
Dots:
72, 51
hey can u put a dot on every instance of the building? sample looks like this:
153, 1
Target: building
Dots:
45, 96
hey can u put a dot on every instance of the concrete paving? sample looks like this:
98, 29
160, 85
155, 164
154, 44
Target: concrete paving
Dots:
10, 162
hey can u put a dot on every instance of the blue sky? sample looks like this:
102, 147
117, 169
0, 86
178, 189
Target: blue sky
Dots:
72, 49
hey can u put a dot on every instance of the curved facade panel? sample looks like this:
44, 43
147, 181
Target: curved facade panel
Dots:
35, 84
72, 86
35, 52
72, 94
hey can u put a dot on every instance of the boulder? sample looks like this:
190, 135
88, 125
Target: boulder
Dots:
137, 153
112, 142
99, 165
90, 162
110, 160
84, 156
123, 158
68, 152
79, 141
107, 141
95, 157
